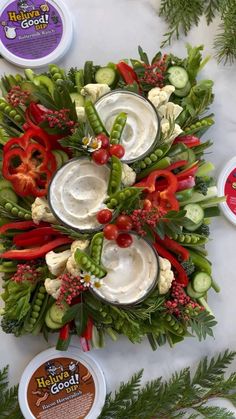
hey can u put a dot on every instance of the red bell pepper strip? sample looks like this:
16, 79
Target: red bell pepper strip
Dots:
180, 275
188, 140
35, 237
33, 242
173, 246
191, 171
177, 165
35, 252
87, 333
21, 225
127, 73
64, 338
36, 133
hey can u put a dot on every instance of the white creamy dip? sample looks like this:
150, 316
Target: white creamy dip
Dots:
142, 124
131, 271
77, 192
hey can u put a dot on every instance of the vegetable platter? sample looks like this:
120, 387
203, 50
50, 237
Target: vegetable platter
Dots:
106, 200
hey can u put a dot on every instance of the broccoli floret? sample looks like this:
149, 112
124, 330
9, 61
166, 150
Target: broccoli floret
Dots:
11, 326
188, 266
71, 74
201, 185
203, 230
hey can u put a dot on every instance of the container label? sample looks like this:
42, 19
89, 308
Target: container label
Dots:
31, 29
230, 191
61, 388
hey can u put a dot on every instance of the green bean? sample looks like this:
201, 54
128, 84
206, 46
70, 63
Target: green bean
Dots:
115, 175
96, 247
94, 119
88, 264
118, 127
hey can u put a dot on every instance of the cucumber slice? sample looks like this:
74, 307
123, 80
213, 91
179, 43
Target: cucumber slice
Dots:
178, 76
50, 323
57, 312
106, 75
194, 213
7, 194
5, 184
184, 91
192, 293
201, 282
78, 99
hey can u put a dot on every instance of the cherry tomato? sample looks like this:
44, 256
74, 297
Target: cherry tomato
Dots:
104, 139
104, 216
124, 240
117, 150
100, 156
124, 222
111, 232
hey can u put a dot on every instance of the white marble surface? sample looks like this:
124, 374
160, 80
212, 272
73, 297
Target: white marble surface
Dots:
109, 30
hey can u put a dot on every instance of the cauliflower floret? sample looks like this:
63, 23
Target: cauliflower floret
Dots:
41, 211
56, 262
81, 113
79, 244
128, 176
166, 276
165, 127
169, 111
95, 90
72, 267
160, 96
53, 287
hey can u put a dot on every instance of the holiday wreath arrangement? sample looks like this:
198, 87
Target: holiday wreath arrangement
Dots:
106, 200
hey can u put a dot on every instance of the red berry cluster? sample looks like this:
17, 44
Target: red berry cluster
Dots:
116, 231
155, 73
25, 272
102, 155
180, 304
70, 288
141, 217
59, 119
17, 97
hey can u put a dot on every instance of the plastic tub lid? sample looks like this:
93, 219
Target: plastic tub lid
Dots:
227, 186
34, 33
59, 384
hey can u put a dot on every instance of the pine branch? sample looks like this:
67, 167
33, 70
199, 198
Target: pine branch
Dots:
225, 40
211, 8
202, 325
9, 407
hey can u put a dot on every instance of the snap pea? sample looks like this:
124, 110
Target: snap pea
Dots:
94, 119
202, 125
3, 136
16, 211
161, 164
88, 264
115, 175
151, 158
56, 72
200, 262
117, 198
39, 302
9, 111
96, 247
190, 238
173, 325
118, 127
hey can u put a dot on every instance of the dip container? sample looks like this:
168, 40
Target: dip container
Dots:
34, 33
108, 108
62, 385
97, 291
227, 186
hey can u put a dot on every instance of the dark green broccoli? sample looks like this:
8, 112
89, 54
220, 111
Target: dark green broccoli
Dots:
203, 230
201, 186
71, 74
188, 266
11, 326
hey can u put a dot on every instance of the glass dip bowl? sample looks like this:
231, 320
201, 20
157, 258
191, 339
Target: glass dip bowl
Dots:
132, 272
77, 192
142, 129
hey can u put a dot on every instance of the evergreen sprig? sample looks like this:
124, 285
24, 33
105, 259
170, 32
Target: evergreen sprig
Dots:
9, 407
160, 399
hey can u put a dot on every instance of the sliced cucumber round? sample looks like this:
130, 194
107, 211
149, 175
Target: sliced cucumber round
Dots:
195, 216
78, 99
201, 282
193, 294
57, 312
105, 75
50, 323
178, 76
184, 91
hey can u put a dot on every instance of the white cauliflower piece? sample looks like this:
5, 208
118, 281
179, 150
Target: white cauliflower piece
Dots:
56, 262
166, 276
95, 90
81, 113
159, 96
165, 127
128, 176
72, 267
169, 111
79, 244
53, 287
41, 211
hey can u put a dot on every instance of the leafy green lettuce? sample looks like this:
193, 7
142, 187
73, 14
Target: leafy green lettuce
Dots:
17, 299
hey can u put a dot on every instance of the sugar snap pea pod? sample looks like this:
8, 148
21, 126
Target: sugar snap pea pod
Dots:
118, 127
190, 238
94, 119
37, 303
151, 158
96, 247
115, 175
120, 196
200, 262
11, 113
56, 72
88, 264
16, 211
161, 164
40, 319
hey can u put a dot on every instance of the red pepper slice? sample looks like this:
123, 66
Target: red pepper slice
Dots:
35, 237
174, 247
21, 225
177, 164
191, 171
87, 333
181, 276
36, 252
127, 73
165, 199
64, 338
36, 134
188, 140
